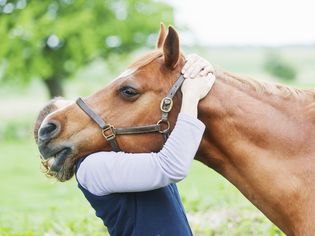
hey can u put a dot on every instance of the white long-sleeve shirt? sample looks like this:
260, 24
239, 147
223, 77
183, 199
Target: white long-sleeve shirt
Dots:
103, 173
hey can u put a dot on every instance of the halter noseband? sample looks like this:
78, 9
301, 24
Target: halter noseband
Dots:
109, 131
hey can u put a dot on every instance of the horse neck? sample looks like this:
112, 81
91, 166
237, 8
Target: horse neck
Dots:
259, 138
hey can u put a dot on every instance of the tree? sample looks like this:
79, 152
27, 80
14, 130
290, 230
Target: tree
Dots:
51, 40
279, 67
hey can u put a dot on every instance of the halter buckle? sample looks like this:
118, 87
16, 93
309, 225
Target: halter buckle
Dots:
168, 126
166, 104
109, 132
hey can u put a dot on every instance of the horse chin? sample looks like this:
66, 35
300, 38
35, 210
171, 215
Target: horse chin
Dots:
61, 166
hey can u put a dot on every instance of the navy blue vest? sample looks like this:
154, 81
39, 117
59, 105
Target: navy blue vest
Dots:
152, 213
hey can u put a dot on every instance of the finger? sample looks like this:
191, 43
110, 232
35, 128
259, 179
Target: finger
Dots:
191, 56
191, 59
188, 57
187, 67
209, 84
199, 66
203, 73
208, 69
211, 79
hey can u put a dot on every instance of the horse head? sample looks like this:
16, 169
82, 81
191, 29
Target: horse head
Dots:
132, 99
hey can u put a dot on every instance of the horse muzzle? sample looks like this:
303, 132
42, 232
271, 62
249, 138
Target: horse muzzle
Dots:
54, 157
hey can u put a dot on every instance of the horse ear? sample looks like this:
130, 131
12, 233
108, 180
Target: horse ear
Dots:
171, 48
161, 37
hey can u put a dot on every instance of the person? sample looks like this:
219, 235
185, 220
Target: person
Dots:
136, 194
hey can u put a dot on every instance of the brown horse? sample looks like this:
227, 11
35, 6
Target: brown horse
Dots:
259, 136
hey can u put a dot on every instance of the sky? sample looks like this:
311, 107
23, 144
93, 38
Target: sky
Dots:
247, 22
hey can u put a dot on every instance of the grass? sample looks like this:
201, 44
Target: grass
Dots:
32, 204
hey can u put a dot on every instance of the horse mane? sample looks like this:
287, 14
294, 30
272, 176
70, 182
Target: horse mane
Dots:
267, 88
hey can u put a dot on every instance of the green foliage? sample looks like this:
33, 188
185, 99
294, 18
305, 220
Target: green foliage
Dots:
53, 39
278, 67
15, 130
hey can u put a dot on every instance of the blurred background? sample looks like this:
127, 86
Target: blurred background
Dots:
73, 47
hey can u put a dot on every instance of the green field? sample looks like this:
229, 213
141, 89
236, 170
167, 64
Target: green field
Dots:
31, 204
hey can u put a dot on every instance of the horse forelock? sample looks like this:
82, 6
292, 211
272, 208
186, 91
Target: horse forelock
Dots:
142, 62
145, 60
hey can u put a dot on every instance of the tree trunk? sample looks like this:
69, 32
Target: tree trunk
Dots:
54, 87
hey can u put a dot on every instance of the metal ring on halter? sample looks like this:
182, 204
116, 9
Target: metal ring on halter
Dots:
111, 135
164, 122
166, 104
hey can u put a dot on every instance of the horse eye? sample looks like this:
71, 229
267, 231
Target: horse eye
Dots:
128, 92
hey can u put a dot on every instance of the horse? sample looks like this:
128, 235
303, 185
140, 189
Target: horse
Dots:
259, 136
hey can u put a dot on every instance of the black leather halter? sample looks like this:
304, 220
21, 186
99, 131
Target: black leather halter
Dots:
162, 126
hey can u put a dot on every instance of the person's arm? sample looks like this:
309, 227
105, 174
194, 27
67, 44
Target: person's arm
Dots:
108, 172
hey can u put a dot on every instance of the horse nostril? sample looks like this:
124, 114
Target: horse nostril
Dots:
47, 131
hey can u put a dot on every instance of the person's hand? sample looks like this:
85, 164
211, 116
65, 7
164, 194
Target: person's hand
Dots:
197, 88
199, 77
196, 65
199, 81
193, 91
